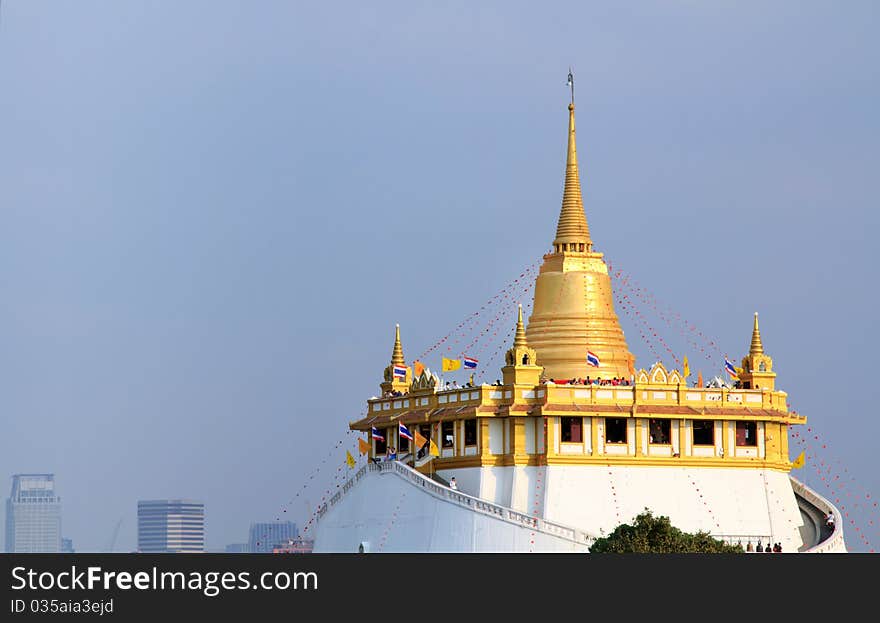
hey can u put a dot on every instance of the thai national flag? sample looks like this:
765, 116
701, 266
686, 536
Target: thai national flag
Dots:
731, 369
470, 362
400, 371
377, 435
404, 431
592, 359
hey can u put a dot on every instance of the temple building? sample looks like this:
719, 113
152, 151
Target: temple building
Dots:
547, 465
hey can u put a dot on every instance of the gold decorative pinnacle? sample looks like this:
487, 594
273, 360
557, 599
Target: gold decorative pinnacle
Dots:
572, 226
757, 347
519, 341
397, 353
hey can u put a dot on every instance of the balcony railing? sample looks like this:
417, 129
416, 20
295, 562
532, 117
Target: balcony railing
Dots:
462, 499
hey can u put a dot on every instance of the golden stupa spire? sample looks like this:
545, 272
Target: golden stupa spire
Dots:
757, 347
397, 353
520, 340
573, 311
572, 226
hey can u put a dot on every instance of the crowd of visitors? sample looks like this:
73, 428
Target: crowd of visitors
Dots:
588, 381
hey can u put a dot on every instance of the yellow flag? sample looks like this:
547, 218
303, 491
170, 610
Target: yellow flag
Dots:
686, 367
418, 367
363, 446
349, 459
419, 439
433, 449
451, 364
799, 461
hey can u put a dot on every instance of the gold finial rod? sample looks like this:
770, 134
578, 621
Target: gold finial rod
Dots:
571, 84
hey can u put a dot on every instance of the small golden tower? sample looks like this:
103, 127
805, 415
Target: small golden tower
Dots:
757, 367
574, 305
522, 362
396, 383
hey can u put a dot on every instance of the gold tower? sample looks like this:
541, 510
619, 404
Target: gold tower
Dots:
522, 361
392, 383
574, 306
757, 367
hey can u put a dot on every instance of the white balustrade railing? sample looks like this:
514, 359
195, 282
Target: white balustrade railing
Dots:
461, 499
833, 543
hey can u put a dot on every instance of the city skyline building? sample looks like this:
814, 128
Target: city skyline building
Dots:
171, 526
263, 537
33, 515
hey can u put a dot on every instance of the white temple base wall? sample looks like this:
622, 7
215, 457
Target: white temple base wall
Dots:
390, 514
747, 503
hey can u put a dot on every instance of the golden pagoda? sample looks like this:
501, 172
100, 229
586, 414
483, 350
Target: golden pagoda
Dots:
545, 447
573, 312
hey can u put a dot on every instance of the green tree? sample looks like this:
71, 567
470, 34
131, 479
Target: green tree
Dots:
656, 535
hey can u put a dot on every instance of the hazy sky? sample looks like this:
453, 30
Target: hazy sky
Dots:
213, 213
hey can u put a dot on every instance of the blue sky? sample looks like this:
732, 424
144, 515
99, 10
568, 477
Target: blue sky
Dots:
212, 214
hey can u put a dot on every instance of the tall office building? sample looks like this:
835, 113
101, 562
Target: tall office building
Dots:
171, 526
264, 537
33, 515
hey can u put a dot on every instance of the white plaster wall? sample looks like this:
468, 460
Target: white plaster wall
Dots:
495, 483
522, 496
468, 479
423, 523
496, 436
739, 501
529, 430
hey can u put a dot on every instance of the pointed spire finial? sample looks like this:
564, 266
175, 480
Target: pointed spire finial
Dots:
572, 226
397, 353
519, 341
757, 348
571, 84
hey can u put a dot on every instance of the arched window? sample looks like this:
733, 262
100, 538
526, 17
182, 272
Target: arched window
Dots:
762, 367
525, 359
